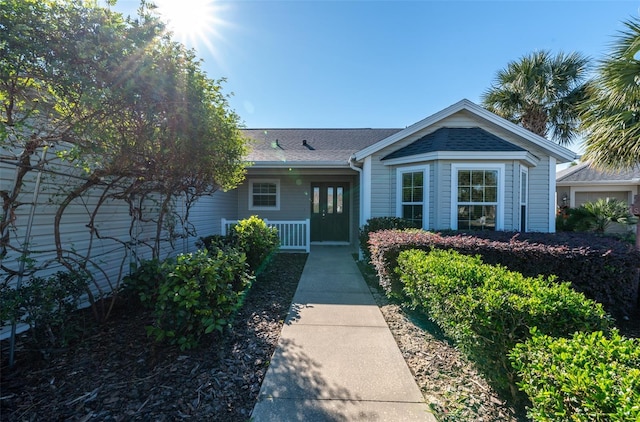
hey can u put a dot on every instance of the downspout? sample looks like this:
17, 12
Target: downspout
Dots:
361, 199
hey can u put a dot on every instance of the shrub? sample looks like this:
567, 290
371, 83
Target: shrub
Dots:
588, 377
488, 309
144, 282
256, 239
604, 269
377, 224
197, 295
46, 305
214, 241
599, 215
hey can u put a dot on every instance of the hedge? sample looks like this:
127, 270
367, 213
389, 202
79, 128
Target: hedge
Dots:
488, 309
605, 270
588, 377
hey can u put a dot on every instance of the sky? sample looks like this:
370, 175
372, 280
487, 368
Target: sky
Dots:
380, 64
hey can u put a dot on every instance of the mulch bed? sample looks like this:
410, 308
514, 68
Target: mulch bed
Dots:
118, 373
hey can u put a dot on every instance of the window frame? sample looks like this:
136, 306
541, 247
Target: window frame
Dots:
500, 206
253, 207
424, 169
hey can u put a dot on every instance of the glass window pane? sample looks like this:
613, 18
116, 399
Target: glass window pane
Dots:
477, 178
477, 194
464, 194
491, 178
464, 178
413, 213
330, 200
491, 194
418, 179
417, 194
406, 195
339, 199
316, 199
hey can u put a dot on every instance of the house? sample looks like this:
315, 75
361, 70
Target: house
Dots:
582, 183
460, 168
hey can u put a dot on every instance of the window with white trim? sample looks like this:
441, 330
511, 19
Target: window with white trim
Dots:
524, 195
264, 194
477, 192
411, 186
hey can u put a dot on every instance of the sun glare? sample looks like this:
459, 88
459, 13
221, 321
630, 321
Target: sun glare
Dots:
192, 22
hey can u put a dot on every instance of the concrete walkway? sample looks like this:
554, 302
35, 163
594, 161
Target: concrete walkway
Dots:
336, 359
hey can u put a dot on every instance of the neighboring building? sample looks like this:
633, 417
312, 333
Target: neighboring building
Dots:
461, 168
583, 183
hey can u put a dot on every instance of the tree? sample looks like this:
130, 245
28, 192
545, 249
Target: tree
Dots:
611, 115
130, 115
541, 92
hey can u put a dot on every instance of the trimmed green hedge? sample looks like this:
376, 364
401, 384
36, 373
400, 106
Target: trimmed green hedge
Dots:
488, 309
603, 269
588, 377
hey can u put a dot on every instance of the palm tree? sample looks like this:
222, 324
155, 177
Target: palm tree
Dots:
541, 92
611, 114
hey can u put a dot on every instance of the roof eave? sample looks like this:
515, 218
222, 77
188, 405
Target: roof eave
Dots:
523, 156
300, 164
598, 182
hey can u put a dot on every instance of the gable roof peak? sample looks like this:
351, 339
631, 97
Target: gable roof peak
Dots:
553, 149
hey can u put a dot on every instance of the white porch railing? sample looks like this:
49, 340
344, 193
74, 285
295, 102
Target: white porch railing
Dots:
292, 234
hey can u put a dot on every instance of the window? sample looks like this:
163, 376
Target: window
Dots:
264, 194
411, 185
524, 188
477, 197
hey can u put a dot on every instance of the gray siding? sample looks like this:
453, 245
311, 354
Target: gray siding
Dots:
538, 207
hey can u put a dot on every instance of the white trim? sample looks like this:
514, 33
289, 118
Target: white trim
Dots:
425, 191
552, 195
366, 190
263, 208
523, 156
564, 154
455, 167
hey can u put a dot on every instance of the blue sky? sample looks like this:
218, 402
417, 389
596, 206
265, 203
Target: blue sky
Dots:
320, 64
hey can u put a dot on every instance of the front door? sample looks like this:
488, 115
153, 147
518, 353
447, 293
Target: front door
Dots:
329, 212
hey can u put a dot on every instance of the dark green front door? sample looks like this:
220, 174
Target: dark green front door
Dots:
329, 212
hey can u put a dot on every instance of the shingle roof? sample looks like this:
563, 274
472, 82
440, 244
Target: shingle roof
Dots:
455, 139
322, 145
585, 173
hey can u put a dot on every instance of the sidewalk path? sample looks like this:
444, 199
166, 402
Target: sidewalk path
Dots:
336, 359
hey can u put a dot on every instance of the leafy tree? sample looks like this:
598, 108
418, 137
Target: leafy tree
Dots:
541, 92
611, 115
128, 111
